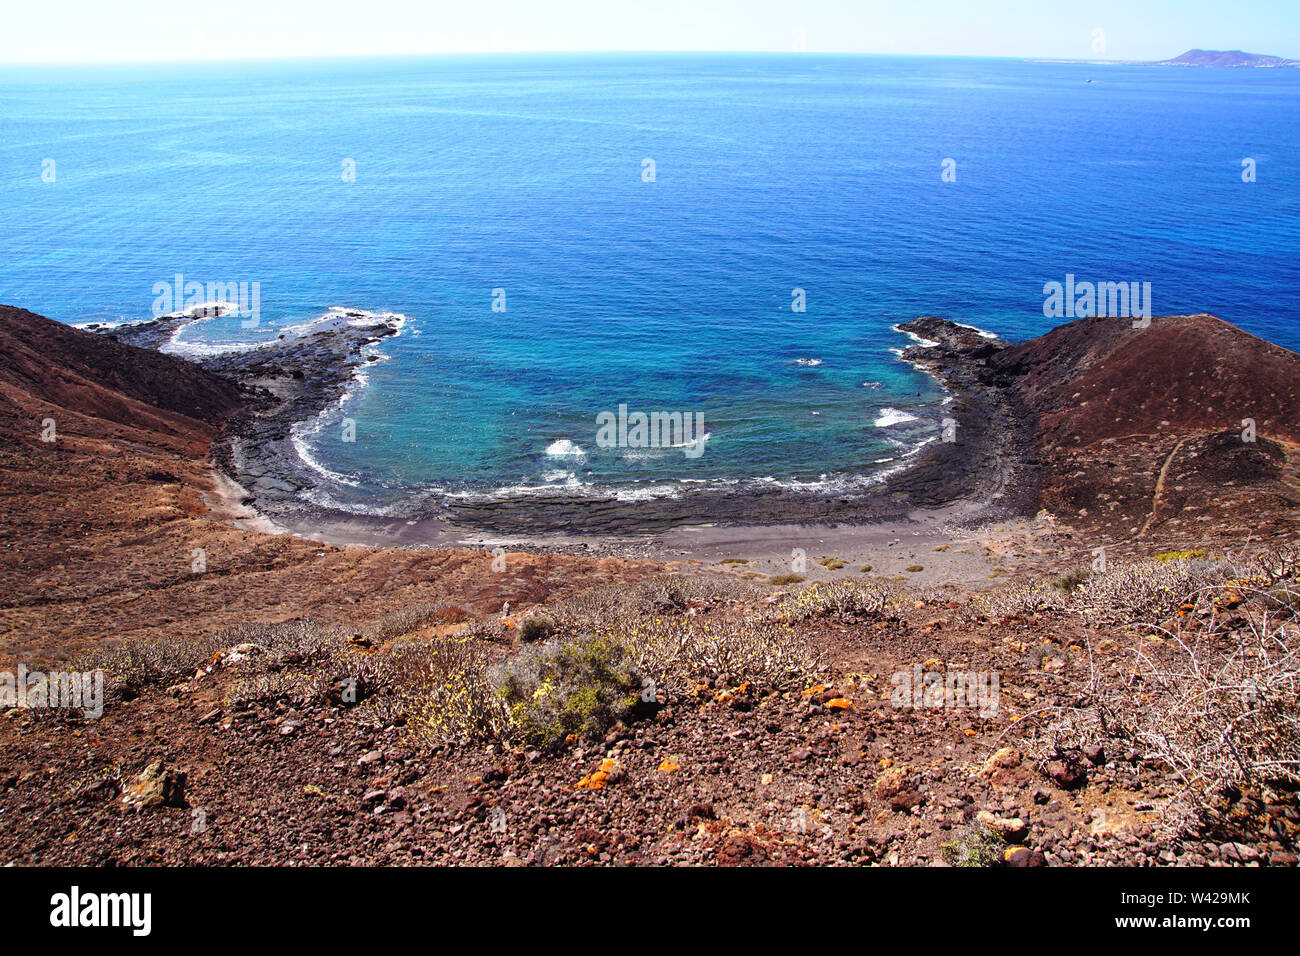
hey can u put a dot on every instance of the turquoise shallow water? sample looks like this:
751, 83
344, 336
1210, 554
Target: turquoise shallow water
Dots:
526, 174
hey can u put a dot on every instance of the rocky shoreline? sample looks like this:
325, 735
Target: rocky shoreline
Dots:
988, 464
287, 381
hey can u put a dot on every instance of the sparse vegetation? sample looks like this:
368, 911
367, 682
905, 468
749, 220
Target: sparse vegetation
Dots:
975, 845
1146, 592
538, 627
445, 691
577, 687
1070, 581
1178, 555
1213, 694
844, 600
680, 654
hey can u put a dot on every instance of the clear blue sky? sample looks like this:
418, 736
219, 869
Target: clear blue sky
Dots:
103, 30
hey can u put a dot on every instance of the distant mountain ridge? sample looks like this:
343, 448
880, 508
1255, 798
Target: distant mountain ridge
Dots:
1231, 58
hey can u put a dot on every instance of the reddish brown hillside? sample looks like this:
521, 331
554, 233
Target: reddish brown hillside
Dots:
1100, 378
49, 363
1141, 429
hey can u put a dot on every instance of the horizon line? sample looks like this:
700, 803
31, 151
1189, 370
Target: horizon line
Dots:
470, 54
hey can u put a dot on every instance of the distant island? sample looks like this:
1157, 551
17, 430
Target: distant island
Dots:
1228, 58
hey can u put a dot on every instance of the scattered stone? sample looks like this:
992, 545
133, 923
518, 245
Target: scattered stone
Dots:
1068, 772
1005, 758
156, 786
1238, 853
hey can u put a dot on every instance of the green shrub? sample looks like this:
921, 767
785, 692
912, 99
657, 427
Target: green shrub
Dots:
1072, 580
975, 846
783, 579
579, 686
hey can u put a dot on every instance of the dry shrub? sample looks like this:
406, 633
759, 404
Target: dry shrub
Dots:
680, 653
141, 662
1225, 712
1215, 700
1146, 592
291, 685
606, 606
135, 664
847, 601
1021, 600
444, 690
403, 622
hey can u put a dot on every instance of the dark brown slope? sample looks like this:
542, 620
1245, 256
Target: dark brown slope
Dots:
1100, 378
1130, 435
89, 375
1140, 430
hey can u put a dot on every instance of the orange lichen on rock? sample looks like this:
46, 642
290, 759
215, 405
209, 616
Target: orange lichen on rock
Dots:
727, 696
598, 779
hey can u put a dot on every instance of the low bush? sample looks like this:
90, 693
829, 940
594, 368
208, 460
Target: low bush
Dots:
574, 687
844, 600
975, 845
445, 691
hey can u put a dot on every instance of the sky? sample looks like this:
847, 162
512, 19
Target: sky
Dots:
142, 30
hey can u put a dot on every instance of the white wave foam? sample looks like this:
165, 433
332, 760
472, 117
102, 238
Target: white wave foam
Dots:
336, 317
563, 448
118, 323
982, 333
893, 416
358, 381
298, 436
918, 339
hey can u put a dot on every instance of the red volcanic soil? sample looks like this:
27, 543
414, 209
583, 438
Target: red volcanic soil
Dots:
86, 376
100, 527
1100, 378
1141, 430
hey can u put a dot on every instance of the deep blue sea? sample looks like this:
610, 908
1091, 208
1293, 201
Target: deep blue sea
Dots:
527, 174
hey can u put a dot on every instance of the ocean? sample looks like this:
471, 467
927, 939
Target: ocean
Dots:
566, 236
